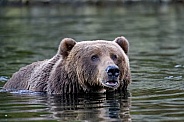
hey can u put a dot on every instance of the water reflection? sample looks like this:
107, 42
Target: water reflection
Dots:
89, 107
93, 107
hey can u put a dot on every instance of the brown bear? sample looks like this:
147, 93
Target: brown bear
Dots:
78, 67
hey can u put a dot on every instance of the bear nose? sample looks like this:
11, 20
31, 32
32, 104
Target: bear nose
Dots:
112, 71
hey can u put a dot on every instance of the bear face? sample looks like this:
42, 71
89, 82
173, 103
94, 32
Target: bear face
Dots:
100, 65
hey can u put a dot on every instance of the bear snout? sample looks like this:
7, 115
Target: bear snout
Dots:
112, 73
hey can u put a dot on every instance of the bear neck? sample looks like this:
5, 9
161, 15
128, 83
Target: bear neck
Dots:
63, 79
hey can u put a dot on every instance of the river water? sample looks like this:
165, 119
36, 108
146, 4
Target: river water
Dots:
156, 36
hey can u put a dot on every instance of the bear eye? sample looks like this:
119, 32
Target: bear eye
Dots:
114, 57
94, 57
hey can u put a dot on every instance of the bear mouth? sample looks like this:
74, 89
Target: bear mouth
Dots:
111, 83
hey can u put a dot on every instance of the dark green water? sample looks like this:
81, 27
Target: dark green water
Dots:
156, 36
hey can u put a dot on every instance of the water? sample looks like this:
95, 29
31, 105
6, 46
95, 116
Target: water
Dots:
155, 33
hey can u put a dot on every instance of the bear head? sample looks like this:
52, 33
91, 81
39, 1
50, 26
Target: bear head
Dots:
97, 66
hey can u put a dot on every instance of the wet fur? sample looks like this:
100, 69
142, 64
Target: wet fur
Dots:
70, 71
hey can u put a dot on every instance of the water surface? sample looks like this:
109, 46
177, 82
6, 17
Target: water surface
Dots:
155, 33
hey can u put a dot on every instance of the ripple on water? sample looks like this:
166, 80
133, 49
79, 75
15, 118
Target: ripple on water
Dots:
174, 77
162, 103
3, 78
179, 66
158, 97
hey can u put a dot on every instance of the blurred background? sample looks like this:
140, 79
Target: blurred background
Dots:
30, 30
27, 2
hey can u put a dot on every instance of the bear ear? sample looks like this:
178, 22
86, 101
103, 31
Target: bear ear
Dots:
123, 43
66, 46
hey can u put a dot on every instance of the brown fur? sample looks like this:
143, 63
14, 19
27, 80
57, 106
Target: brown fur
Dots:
77, 67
